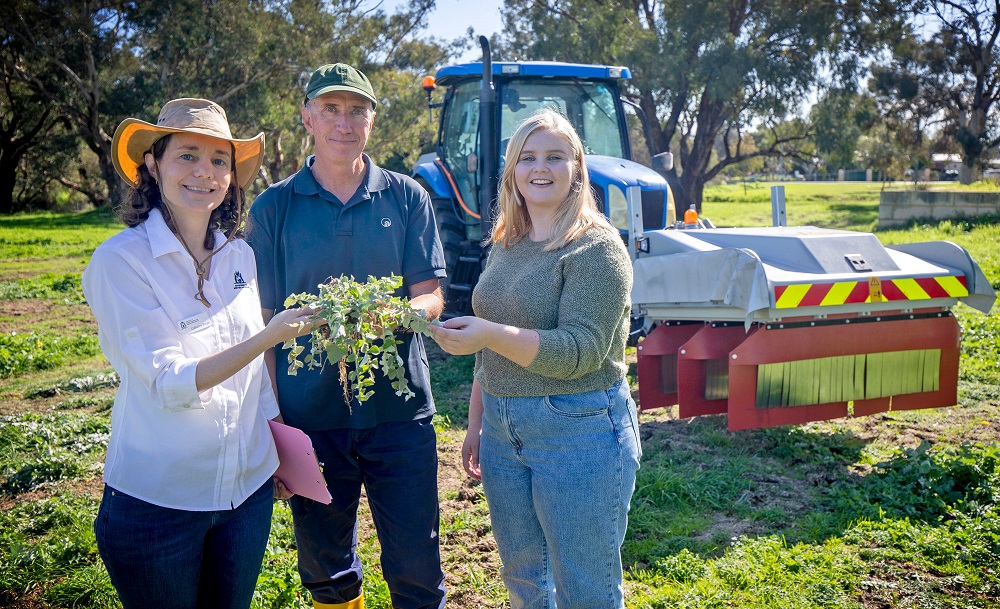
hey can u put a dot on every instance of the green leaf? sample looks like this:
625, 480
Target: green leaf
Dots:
361, 321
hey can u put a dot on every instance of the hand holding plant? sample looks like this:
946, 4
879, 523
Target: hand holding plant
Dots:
362, 319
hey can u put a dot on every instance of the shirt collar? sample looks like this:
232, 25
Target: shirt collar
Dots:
305, 182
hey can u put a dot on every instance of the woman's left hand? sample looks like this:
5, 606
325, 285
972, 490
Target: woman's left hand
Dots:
462, 335
280, 490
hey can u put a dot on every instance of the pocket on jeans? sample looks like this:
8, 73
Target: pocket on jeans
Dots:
586, 404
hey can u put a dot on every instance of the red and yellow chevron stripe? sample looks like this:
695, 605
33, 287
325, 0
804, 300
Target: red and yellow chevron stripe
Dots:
871, 289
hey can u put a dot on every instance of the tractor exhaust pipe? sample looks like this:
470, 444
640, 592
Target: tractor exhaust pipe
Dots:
487, 142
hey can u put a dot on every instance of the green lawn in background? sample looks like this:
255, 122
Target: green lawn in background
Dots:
892, 510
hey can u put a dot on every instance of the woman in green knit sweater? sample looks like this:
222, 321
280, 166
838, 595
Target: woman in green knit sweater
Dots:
553, 432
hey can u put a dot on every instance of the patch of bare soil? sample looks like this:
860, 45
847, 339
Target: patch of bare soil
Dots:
896, 585
33, 599
92, 487
28, 314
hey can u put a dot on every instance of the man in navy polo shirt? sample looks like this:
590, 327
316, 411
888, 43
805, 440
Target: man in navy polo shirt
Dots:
343, 215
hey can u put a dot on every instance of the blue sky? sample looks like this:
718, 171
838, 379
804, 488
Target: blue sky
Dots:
451, 18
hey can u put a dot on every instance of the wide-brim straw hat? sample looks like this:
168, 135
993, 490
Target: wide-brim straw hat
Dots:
134, 138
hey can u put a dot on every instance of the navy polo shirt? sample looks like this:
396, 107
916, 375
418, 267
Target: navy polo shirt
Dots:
302, 235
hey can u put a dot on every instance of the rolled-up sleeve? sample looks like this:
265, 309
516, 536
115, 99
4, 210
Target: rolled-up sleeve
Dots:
137, 335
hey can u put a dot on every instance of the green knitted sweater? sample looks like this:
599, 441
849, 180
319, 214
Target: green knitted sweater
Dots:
576, 297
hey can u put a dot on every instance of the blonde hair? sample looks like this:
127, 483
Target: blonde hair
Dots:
577, 213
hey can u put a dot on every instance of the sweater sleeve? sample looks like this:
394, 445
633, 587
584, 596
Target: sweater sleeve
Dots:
597, 281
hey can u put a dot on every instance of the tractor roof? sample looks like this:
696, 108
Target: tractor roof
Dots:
451, 74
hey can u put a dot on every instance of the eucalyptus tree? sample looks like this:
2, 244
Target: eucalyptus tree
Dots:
255, 58
71, 53
950, 77
838, 119
25, 118
93, 62
706, 73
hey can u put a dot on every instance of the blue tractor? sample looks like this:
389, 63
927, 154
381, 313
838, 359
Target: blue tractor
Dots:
773, 325
482, 106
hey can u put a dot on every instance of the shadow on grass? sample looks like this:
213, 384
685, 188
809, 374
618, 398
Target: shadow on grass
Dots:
701, 485
854, 214
38, 221
960, 223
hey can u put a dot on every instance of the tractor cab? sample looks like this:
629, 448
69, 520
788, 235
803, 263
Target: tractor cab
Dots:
463, 173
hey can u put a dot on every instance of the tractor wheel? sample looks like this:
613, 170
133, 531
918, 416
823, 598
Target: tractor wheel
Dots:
450, 230
452, 233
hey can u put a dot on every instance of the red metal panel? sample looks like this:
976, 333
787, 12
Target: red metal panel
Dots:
771, 346
709, 343
663, 340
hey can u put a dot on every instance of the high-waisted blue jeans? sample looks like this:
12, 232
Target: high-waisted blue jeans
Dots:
558, 472
164, 558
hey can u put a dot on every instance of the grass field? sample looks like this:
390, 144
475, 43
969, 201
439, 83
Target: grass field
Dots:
892, 510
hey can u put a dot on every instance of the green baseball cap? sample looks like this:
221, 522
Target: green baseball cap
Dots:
340, 77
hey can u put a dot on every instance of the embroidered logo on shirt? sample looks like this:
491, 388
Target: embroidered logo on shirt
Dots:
386, 222
238, 283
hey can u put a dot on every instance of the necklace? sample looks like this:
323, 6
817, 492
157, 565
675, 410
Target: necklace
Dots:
199, 268
199, 265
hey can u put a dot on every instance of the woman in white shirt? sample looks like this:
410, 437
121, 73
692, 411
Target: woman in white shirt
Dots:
186, 511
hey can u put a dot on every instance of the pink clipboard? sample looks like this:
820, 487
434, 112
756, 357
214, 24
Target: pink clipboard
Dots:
298, 468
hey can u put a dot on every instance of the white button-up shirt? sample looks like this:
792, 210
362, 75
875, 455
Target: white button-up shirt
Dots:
170, 445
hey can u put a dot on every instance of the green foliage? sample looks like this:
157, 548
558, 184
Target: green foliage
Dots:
52, 235
940, 72
927, 485
75, 385
451, 380
20, 353
839, 119
278, 585
362, 319
48, 285
980, 337
708, 64
682, 567
51, 542
104, 61
835, 514
36, 449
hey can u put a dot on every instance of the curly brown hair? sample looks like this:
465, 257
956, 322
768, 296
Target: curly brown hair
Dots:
229, 217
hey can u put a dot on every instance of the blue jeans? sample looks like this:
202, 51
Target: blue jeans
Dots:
397, 464
164, 558
558, 472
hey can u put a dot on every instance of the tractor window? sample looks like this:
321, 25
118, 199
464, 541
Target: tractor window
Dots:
590, 106
459, 140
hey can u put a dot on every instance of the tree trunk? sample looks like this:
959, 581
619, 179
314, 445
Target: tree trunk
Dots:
966, 174
8, 173
114, 183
